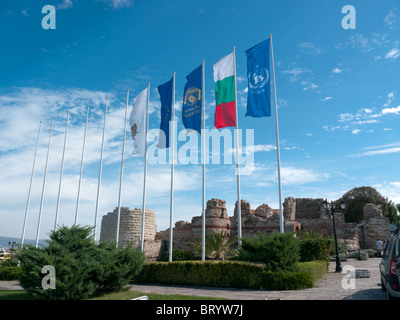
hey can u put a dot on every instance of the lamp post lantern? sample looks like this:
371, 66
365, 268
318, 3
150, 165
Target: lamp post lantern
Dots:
331, 207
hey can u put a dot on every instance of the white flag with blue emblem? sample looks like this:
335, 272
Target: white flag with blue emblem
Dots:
138, 124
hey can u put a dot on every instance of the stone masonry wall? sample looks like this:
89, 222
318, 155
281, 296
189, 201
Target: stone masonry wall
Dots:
299, 214
130, 226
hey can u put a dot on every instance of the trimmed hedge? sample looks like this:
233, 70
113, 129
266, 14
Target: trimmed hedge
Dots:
283, 280
231, 274
234, 274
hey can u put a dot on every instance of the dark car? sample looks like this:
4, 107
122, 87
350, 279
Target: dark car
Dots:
388, 270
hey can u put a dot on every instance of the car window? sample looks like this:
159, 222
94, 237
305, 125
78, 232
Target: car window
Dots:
389, 248
396, 248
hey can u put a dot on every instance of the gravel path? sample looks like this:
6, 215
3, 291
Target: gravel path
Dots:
328, 288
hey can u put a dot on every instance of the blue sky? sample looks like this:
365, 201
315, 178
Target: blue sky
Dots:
337, 89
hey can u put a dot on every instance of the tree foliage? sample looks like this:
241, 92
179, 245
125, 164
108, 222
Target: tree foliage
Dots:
278, 251
216, 244
357, 198
82, 267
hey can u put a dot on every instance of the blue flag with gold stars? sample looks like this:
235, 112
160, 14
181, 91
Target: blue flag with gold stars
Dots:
191, 110
165, 91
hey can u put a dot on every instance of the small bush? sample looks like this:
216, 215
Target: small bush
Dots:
316, 268
314, 247
360, 255
278, 251
10, 273
284, 280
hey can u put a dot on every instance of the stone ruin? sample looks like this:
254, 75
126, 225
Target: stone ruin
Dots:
300, 214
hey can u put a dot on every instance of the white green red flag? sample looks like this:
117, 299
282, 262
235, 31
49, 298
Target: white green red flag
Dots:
224, 77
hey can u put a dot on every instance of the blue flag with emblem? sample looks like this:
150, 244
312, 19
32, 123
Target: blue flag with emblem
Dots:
165, 91
191, 110
259, 84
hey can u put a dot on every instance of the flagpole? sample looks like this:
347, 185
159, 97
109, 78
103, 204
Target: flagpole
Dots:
145, 169
30, 187
277, 142
61, 174
80, 175
44, 184
172, 171
101, 167
122, 171
239, 204
203, 139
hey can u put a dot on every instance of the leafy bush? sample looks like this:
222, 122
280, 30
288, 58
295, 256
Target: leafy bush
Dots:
231, 274
217, 244
178, 255
305, 277
10, 273
278, 251
360, 255
82, 268
314, 247
317, 268
284, 280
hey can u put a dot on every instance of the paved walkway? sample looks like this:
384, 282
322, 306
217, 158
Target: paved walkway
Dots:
328, 288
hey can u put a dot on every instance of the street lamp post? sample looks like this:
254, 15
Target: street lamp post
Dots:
331, 207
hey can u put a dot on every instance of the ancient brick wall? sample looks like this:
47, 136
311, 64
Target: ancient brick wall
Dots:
130, 226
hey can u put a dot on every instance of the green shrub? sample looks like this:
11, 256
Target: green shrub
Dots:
10, 273
82, 268
359, 254
317, 268
178, 255
314, 247
284, 280
233, 274
278, 251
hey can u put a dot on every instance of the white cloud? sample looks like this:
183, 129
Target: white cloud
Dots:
308, 85
337, 70
345, 117
378, 150
291, 175
66, 4
365, 43
356, 131
391, 110
295, 73
391, 19
310, 48
120, 3
393, 54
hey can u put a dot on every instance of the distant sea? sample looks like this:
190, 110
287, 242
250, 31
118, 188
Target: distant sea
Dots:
5, 240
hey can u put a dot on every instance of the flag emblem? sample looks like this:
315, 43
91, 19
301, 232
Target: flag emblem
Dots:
192, 95
258, 79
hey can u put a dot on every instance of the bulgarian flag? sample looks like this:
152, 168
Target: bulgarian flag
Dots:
224, 77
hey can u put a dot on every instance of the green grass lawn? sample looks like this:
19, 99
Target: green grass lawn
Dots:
121, 295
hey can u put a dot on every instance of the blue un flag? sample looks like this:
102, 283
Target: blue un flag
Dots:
259, 84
